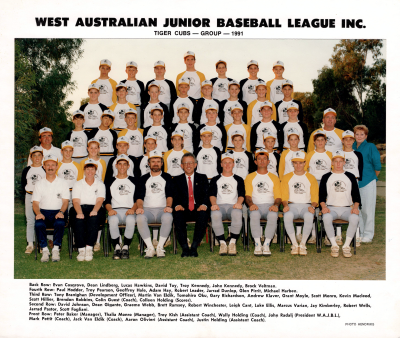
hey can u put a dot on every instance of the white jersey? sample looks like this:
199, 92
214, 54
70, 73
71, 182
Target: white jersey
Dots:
265, 127
107, 91
121, 192
351, 164
178, 101
248, 89
282, 111
293, 126
79, 140
92, 113
134, 92
155, 192
32, 175
220, 89
135, 141
318, 164
148, 121
338, 188
228, 119
53, 151
262, 188
273, 164
187, 136
227, 190
119, 112
144, 165
203, 118
106, 139
301, 189
172, 162
216, 137
162, 137
207, 162
275, 90
70, 172
165, 94
241, 167
232, 129
195, 83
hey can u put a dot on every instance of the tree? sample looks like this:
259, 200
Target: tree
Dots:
307, 102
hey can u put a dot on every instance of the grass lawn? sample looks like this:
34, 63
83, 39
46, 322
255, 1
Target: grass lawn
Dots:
368, 264
382, 174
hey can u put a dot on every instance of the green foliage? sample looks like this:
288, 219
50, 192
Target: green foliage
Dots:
309, 110
84, 100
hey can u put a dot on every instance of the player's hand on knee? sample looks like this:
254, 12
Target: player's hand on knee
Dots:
139, 211
355, 211
253, 207
286, 209
130, 212
273, 208
82, 216
112, 212
214, 207
168, 209
59, 215
179, 208
93, 213
237, 206
325, 210
39, 216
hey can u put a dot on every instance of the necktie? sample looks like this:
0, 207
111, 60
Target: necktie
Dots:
191, 197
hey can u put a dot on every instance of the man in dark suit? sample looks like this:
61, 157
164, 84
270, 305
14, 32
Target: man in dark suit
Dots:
191, 203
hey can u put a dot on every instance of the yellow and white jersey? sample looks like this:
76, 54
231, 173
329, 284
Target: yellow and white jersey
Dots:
119, 112
196, 78
70, 172
262, 188
299, 188
274, 90
108, 93
244, 128
172, 162
285, 163
333, 140
254, 114
135, 141
318, 164
101, 168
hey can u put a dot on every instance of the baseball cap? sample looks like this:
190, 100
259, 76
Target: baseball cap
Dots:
329, 110
131, 64
45, 130
182, 105
93, 140
184, 80
130, 111
122, 157
122, 139
261, 83
157, 107
287, 82
293, 105
159, 64
105, 62
319, 133
227, 155
205, 130
36, 149
269, 134
237, 106
93, 86
348, 133
108, 112
150, 136
50, 157
252, 62
338, 153
261, 151
206, 83
292, 131
155, 153
90, 161
177, 133
266, 104
153, 83
278, 63
220, 61
78, 112
121, 84
237, 133
211, 105
233, 82
67, 144
189, 53
299, 156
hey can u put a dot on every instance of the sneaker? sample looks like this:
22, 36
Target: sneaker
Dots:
366, 240
150, 252
168, 242
335, 251
302, 250
232, 249
29, 249
81, 256
216, 243
358, 242
266, 251
88, 254
96, 247
45, 256
346, 252
258, 250
327, 242
295, 250
155, 242
223, 249
275, 239
312, 240
339, 240
160, 253
125, 254
117, 254
299, 237
55, 255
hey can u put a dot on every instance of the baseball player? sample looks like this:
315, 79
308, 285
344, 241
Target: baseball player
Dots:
196, 78
285, 162
282, 105
45, 139
183, 97
93, 109
157, 129
119, 108
106, 85
254, 108
172, 158
274, 87
273, 156
225, 106
78, 136
199, 115
237, 125
134, 134
183, 126
248, 86
221, 83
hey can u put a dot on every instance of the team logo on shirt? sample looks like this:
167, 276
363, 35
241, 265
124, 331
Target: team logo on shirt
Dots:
299, 188
155, 187
262, 187
147, 168
321, 165
92, 114
266, 130
35, 178
134, 140
349, 164
239, 163
329, 140
103, 141
162, 90
131, 90
59, 196
259, 112
121, 114
103, 89
68, 174
227, 188
340, 186
159, 135
284, 112
77, 141
214, 135
251, 89
278, 90
292, 130
123, 189
222, 87
176, 162
185, 133
207, 159
95, 192
191, 80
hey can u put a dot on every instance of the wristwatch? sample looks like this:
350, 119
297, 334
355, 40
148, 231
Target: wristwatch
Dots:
62, 212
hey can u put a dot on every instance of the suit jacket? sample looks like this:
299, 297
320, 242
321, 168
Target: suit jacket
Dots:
200, 187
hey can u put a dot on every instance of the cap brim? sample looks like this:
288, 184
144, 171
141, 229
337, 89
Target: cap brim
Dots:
67, 147
86, 164
298, 160
263, 153
206, 132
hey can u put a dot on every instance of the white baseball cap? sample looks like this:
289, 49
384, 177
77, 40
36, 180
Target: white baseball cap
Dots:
122, 139
237, 105
105, 62
78, 112
261, 83
189, 53
348, 133
153, 83
150, 136
182, 105
67, 144
45, 130
108, 112
50, 157
122, 157
205, 130
177, 133
233, 82
211, 105
36, 149
206, 83
155, 153
90, 161
237, 133
157, 107
319, 133
227, 155
287, 82
121, 84
252, 62
299, 156
93, 86
329, 110
269, 134
266, 104
131, 64
293, 105
130, 111
338, 153
93, 140
159, 64
261, 151
184, 80
293, 131
278, 63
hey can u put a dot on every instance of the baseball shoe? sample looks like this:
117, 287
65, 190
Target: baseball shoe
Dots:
302, 250
275, 239
117, 254
327, 242
160, 253
125, 254
29, 249
366, 240
45, 256
150, 252
295, 250
88, 254
96, 247
335, 251
55, 255
232, 249
339, 240
223, 249
312, 240
258, 251
81, 256
168, 242
346, 252
266, 251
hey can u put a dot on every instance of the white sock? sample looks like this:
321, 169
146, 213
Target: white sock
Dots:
293, 238
358, 232
56, 247
155, 233
233, 240
117, 247
30, 243
120, 239
229, 230
257, 241
333, 241
148, 243
339, 231
267, 241
303, 241
298, 229
222, 242
125, 247
98, 236
348, 241
161, 242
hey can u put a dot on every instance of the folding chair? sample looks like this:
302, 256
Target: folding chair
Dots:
336, 223
228, 222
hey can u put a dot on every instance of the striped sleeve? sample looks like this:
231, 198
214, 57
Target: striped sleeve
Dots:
285, 186
248, 183
277, 185
282, 163
314, 188
166, 160
103, 164
80, 171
